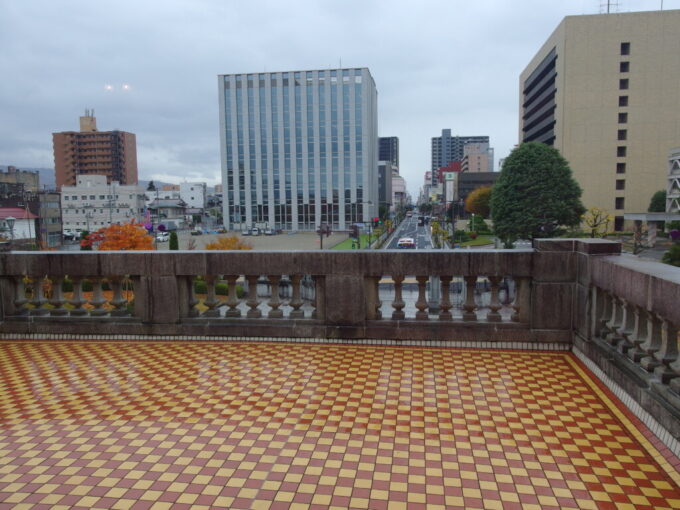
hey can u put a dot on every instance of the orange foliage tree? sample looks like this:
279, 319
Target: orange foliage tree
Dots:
130, 236
228, 243
478, 201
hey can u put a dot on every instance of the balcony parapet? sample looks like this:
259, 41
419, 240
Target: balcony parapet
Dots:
487, 295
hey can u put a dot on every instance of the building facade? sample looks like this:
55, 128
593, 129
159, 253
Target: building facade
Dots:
673, 187
603, 90
299, 149
477, 157
194, 194
95, 203
91, 152
385, 171
30, 180
388, 149
49, 220
447, 148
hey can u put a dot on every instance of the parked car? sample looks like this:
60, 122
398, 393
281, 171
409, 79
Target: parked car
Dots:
196, 232
163, 237
255, 231
268, 231
246, 232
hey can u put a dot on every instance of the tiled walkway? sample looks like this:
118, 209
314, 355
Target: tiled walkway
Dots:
257, 425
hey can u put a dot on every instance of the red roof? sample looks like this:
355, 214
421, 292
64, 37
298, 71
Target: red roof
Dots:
16, 212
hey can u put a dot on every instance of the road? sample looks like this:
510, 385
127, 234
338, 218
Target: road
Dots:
409, 228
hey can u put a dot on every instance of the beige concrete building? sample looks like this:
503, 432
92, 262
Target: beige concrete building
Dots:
604, 90
92, 152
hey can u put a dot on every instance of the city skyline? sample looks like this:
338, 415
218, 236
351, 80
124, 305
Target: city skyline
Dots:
153, 74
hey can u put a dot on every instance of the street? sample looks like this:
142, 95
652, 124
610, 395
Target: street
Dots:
409, 228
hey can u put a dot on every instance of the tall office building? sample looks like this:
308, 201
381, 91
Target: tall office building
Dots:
388, 149
447, 148
299, 148
603, 90
92, 152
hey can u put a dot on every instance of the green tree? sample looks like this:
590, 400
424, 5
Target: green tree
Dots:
658, 202
535, 194
85, 244
174, 241
383, 211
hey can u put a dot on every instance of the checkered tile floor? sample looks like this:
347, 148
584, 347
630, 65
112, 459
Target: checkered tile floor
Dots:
253, 425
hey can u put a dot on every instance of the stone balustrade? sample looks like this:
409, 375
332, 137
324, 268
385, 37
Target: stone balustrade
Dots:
481, 295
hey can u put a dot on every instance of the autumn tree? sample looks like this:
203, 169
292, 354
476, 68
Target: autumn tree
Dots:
477, 202
596, 219
228, 243
129, 236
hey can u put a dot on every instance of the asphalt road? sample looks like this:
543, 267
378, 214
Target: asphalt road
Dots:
409, 228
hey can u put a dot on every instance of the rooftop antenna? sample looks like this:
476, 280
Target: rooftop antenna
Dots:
609, 6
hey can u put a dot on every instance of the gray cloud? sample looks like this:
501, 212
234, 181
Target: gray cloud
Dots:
437, 64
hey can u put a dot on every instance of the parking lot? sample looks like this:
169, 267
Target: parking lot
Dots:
282, 242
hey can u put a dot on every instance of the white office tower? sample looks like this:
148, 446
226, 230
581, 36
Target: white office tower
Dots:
299, 149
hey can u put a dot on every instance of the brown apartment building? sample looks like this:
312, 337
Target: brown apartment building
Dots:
92, 152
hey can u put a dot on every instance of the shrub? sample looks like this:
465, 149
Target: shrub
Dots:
174, 241
672, 256
221, 289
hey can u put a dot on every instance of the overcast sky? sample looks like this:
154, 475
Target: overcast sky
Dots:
437, 64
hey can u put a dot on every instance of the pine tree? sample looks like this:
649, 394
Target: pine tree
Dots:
535, 195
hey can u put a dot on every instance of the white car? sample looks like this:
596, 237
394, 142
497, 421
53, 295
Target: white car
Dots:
163, 237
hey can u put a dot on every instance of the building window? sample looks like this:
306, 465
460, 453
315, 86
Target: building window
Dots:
624, 67
623, 100
620, 184
621, 151
623, 118
618, 223
620, 168
619, 202
623, 134
623, 84
625, 48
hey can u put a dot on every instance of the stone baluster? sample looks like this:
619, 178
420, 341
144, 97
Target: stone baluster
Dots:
421, 303
296, 300
232, 299
517, 303
252, 301
98, 301
38, 300
667, 353
445, 301
193, 300
495, 304
641, 335
20, 298
274, 302
627, 327
601, 312
319, 304
372, 286
615, 323
118, 302
675, 368
398, 303
652, 343
57, 300
469, 306
77, 300
211, 300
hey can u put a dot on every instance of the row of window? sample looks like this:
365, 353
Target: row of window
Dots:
622, 135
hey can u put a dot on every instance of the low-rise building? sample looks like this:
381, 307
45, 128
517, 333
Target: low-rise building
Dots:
193, 194
93, 204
